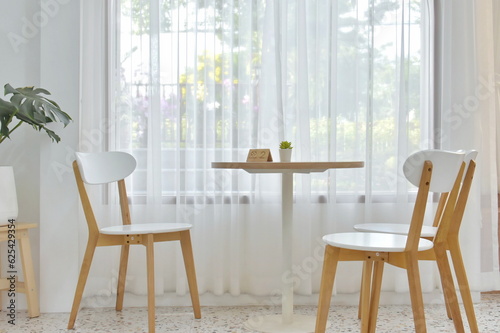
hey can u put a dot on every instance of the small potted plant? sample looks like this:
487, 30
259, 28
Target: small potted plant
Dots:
285, 151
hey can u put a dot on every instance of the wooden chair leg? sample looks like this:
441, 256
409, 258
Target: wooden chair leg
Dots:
82, 280
463, 284
363, 277
122, 275
29, 276
417, 302
447, 306
187, 253
446, 302
151, 281
375, 295
450, 294
326, 288
365, 292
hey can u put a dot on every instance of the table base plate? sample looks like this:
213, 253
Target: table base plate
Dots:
274, 324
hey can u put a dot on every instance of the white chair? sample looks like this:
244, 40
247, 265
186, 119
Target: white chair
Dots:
430, 170
108, 167
445, 235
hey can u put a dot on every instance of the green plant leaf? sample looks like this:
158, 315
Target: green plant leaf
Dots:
38, 108
6, 108
8, 89
286, 145
29, 106
7, 111
52, 135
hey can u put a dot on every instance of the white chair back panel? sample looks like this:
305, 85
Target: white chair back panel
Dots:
444, 172
106, 167
470, 155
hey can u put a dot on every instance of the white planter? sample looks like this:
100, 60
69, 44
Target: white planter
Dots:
285, 155
8, 195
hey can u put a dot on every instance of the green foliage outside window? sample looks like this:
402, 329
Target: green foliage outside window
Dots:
367, 103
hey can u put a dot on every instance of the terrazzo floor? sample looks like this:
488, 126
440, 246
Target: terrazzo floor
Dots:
392, 319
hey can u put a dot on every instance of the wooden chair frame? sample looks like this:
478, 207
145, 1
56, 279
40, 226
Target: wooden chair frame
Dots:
373, 265
448, 219
450, 242
96, 239
447, 240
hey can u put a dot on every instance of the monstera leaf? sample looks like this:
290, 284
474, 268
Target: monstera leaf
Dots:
7, 111
28, 105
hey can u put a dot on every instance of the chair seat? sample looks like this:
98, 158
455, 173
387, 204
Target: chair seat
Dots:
394, 228
372, 241
146, 228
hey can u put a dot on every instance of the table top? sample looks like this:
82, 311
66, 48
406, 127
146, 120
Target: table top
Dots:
286, 167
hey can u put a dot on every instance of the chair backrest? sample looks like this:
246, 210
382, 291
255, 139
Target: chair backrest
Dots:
445, 168
443, 200
459, 209
432, 171
471, 155
103, 168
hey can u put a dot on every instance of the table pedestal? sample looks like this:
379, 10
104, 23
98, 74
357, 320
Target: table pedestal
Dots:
287, 321
276, 324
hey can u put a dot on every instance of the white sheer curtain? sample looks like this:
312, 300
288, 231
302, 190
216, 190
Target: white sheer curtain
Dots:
467, 84
193, 82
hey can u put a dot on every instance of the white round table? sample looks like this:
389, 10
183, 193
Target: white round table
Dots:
287, 321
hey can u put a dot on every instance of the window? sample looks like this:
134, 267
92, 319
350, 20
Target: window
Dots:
193, 87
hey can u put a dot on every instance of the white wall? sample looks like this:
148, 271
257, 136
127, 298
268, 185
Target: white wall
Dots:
39, 43
60, 73
20, 66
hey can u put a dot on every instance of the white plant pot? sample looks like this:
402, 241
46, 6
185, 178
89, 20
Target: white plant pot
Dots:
285, 155
8, 195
